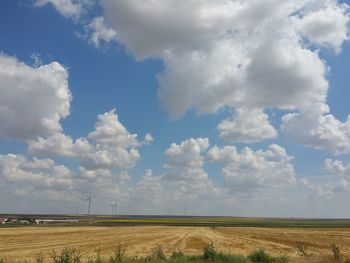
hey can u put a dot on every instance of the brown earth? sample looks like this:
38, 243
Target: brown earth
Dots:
28, 243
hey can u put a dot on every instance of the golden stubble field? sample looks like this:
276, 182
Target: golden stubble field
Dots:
28, 243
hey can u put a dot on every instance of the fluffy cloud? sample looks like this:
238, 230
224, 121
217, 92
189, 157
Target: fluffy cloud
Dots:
113, 145
254, 170
94, 174
41, 182
148, 139
168, 196
184, 169
337, 167
235, 54
110, 146
158, 26
109, 158
185, 161
67, 8
99, 33
33, 100
187, 153
315, 127
41, 173
326, 27
149, 189
108, 130
231, 53
59, 145
247, 125
341, 170
186, 183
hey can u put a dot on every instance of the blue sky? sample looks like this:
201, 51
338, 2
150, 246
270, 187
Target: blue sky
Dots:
177, 81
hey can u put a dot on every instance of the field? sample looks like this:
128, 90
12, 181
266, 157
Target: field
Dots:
222, 222
189, 221
29, 242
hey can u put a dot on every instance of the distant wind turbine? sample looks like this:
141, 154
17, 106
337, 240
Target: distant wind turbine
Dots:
89, 199
115, 207
112, 206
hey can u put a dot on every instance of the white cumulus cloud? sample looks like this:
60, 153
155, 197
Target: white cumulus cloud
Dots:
315, 127
67, 8
99, 33
59, 145
184, 168
250, 169
40, 173
148, 190
113, 145
342, 171
235, 54
228, 53
326, 27
247, 125
232, 53
33, 101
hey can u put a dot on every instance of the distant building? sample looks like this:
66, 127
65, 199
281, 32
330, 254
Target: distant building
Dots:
23, 222
3, 220
55, 221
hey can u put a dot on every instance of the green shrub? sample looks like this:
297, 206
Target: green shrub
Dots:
228, 258
119, 255
210, 255
67, 255
209, 252
177, 254
281, 259
38, 259
158, 253
260, 256
336, 252
98, 258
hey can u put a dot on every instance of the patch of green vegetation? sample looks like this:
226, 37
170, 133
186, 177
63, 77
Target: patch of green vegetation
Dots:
67, 255
210, 255
260, 256
157, 255
12, 225
227, 222
192, 221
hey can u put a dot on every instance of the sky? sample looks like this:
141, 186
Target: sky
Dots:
227, 107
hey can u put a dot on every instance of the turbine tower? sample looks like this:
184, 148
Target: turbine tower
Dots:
112, 209
89, 199
115, 207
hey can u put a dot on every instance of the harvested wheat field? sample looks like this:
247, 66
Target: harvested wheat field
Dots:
28, 243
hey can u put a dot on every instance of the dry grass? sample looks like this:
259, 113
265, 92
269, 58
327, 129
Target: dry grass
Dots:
28, 243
